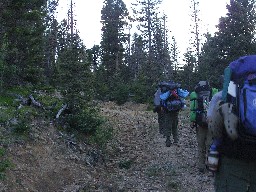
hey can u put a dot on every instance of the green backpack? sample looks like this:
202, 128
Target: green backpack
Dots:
196, 111
193, 106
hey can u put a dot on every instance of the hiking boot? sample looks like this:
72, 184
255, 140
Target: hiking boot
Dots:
176, 143
168, 142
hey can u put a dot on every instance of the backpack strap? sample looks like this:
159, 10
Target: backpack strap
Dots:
211, 94
245, 103
227, 77
252, 81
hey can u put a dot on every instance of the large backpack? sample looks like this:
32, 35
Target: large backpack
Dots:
240, 90
199, 102
171, 99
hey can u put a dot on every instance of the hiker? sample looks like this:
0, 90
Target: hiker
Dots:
172, 100
232, 155
199, 101
159, 110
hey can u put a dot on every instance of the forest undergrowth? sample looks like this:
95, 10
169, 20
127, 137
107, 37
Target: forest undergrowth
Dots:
136, 159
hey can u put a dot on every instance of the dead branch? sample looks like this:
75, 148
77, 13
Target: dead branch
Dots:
34, 102
61, 110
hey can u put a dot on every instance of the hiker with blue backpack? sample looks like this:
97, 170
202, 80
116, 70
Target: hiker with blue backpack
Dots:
158, 110
232, 122
170, 100
199, 101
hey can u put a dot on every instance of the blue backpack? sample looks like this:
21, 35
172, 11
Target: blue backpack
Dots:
172, 96
242, 73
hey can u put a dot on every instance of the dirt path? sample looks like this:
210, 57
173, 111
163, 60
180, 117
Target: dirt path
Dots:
154, 167
136, 160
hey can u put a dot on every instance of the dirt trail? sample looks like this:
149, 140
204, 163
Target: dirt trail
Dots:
156, 167
136, 160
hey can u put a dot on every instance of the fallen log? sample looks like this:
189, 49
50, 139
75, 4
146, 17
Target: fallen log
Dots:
34, 102
22, 100
63, 108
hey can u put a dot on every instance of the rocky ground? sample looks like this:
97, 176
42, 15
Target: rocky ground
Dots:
136, 159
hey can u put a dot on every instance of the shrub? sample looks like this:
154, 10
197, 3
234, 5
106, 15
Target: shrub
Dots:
121, 94
85, 121
22, 127
141, 94
102, 135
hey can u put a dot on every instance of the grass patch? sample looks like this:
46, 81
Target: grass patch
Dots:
173, 185
102, 135
165, 168
125, 164
22, 127
82, 121
5, 164
154, 171
6, 113
6, 100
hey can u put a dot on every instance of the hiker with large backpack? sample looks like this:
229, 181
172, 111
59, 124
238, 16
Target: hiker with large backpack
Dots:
199, 101
171, 100
157, 109
232, 155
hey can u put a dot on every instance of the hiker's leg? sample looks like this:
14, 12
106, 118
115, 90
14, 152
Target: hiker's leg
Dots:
175, 120
161, 122
235, 175
201, 133
208, 143
167, 124
209, 139
167, 130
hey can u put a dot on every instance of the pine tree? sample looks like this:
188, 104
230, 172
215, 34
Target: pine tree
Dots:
22, 45
195, 39
161, 67
235, 38
113, 16
236, 31
94, 57
138, 56
187, 75
174, 58
148, 9
50, 40
153, 32
74, 79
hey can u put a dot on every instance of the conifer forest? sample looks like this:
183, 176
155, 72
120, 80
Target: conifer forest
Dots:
47, 74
